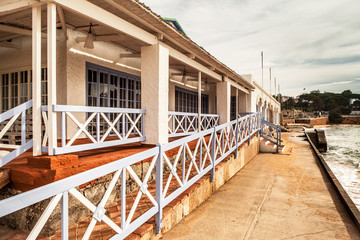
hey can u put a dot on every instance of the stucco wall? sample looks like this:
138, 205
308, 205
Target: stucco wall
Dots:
76, 70
155, 92
223, 93
13, 60
211, 93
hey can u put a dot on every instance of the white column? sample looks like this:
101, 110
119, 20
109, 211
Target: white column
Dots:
274, 117
263, 112
223, 94
36, 82
171, 96
51, 64
155, 92
242, 101
199, 101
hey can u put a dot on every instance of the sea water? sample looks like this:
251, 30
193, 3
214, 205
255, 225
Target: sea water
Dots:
343, 157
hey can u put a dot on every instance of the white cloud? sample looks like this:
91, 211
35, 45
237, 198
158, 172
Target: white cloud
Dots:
307, 43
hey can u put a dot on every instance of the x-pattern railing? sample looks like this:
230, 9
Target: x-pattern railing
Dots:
177, 166
209, 121
182, 124
103, 126
11, 116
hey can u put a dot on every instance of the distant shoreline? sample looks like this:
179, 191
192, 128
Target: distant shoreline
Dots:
334, 125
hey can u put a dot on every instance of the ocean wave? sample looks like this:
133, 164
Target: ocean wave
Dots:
343, 157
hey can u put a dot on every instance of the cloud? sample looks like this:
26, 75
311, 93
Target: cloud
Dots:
336, 83
307, 43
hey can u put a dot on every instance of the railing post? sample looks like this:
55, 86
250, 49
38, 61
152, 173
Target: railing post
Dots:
123, 125
123, 198
200, 153
23, 127
183, 164
98, 127
236, 136
212, 175
63, 129
65, 216
142, 123
159, 189
249, 130
277, 140
279, 137
258, 123
173, 123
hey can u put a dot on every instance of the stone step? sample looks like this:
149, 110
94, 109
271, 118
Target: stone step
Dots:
269, 147
4, 177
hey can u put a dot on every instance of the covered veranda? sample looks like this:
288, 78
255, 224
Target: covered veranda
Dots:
51, 38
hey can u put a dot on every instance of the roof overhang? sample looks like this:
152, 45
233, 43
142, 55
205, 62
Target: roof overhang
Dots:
134, 24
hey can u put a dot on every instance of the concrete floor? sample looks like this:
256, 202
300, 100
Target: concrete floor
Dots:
276, 196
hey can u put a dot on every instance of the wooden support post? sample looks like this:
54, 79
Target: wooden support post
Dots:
36, 76
199, 101
51, 60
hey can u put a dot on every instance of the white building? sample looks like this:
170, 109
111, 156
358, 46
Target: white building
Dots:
134, 60
80, 75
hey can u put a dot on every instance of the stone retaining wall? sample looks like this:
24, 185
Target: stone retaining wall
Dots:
349, 119
203, 189
288, 121
26, 219
313, 121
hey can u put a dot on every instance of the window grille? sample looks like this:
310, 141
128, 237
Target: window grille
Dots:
16, 88
111, 88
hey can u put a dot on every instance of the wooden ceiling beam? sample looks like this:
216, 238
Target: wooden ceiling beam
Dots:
11, 6
131, 55
104, 38
99, 14
62, 21
9, 45
19, 31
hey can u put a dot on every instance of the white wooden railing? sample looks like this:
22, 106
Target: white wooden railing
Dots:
189, 165
100, 126
8, 121
182, 124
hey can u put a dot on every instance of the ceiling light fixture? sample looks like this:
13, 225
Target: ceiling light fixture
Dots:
89, 42
207, 86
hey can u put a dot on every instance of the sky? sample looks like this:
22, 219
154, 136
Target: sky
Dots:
309, 44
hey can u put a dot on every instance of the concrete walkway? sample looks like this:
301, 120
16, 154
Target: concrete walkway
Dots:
276, 196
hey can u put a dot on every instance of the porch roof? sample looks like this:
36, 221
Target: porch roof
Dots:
133, 12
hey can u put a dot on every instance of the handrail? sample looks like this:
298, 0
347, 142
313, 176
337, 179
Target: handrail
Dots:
125, 125
16, 110
84, 109
212, 146
273, 136
13, 114
182, 123
193, 114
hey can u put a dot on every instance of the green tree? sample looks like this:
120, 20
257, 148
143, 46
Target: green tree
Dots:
289, 103
335, 116
318, 104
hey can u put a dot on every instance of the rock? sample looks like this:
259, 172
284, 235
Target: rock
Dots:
321, 140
